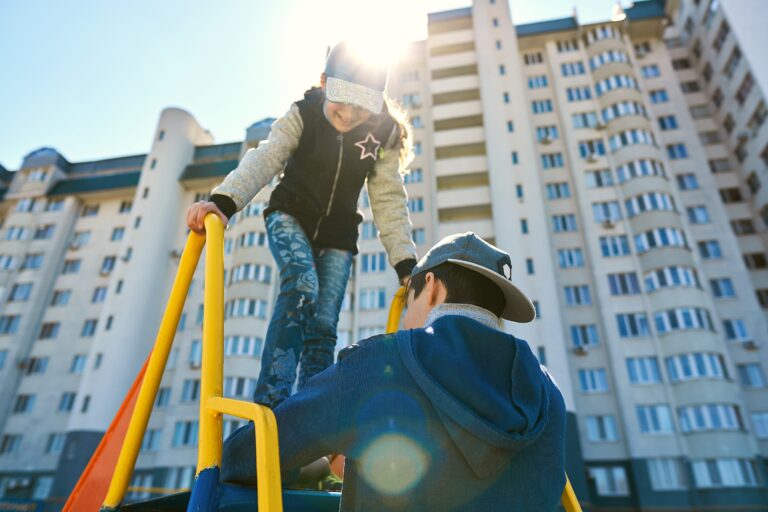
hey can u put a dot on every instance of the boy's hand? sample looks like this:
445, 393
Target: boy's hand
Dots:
196, 216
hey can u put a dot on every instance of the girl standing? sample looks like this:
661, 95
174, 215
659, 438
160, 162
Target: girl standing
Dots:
328, 145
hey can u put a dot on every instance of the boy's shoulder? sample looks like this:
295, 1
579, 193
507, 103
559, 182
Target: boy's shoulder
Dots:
361, 346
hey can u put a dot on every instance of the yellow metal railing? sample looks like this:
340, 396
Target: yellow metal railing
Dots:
212, 404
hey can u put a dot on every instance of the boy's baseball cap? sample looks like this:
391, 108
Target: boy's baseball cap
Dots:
472, 252
351, 79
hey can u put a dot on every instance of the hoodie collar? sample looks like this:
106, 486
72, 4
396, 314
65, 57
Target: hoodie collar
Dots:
476, 313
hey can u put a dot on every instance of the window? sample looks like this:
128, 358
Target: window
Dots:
66, 402
163, 397
760, 424
666, 474
599, 178
668, 123
585, 120
78, 364
372, 298
731, 195
256, 308
660, 237
698, 214
689, 87
532, 58
519, 191
415, 176
510, 126
151, 440
20, 292
650, 71
696, 365
54, 205
564, 223
89, 210
99, 294
722, 288
541, 106
552, 160
659, 96
743, 227
577, 295
9, 324
611, 246
6, 261
584, 335
89, 328
632, 325
572, 68
515, 160
682, 319
710, 249
185, 434
125, 207
36, 365
524, 226
505, 97
671, 277
744, 89
655, 419
708, 417
751, 375
190, 390
606, 57
570, 258
623, 109
755, 260
31, 261
55, 443
678, 64
416, 204
44, 232
625, 283
601, 429
49, 330
631, 138
559, 190
23, 404
537, 82
108, 264
10, 443
569, 45
239, 387
687, 181
602, 32
546, 133
418, 235
411, 100
258, 272
593, 380
615, 82
649, 201
376, 262
15, 233
589, 149
712, 473
701, 111
606, 211
60, 297
580, 93
643, 370
610, 480
25, 205
117, 234
71, 267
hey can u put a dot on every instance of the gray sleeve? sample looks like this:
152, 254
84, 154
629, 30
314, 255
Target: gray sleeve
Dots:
258, 166
389, 205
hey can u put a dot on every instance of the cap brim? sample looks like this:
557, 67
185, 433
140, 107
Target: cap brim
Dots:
519, 307
342, 91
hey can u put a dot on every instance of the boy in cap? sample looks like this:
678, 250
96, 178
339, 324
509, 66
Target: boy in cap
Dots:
451, 414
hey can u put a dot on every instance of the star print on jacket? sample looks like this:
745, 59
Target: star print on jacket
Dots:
369, 147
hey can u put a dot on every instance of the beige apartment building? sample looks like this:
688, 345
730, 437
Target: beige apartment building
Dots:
620, 164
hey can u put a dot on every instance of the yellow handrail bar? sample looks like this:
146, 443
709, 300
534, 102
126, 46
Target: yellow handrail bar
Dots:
157, 360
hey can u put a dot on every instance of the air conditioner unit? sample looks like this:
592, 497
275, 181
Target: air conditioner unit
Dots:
608, 224
176, 254
104, 273
742, 136
640, 54
592, 158
749, 344
22, 363
600, 125
580, 350
195, 364
74, 246
546, 140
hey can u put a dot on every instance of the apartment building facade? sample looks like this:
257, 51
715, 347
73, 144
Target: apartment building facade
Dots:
619, 163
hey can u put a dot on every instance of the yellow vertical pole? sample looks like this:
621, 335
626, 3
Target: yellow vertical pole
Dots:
157, 360
211, 385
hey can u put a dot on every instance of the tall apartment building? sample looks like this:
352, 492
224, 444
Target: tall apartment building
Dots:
619, 163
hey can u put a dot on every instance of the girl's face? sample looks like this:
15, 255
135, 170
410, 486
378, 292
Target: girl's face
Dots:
345, 117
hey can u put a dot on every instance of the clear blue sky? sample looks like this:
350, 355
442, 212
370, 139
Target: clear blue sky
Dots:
91, 77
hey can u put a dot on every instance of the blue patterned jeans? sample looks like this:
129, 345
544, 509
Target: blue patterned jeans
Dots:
303, 324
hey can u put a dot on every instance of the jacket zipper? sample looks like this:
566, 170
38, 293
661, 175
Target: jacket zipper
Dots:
340, 138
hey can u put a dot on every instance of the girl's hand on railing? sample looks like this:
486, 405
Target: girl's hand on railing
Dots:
196, 216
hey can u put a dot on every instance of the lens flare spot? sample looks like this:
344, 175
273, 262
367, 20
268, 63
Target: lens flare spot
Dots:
393, 464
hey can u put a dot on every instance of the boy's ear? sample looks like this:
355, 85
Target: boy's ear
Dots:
323, 79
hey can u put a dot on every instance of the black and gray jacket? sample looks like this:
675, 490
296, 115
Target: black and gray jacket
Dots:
323, 173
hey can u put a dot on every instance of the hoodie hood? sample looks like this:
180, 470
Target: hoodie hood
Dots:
487, 387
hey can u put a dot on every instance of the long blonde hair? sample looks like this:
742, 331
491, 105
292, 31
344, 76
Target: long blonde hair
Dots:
405, 131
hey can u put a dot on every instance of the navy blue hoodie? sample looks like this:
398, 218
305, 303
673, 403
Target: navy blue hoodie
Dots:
453, 417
